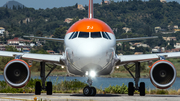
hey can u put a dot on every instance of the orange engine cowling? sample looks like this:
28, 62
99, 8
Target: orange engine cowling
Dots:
162, 74
17, 73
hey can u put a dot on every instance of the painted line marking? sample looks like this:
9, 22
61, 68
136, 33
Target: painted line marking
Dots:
62, 97
16, 99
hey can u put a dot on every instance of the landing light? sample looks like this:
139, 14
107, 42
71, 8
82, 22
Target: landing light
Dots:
86, 73
62, 66
117, 67
92, 73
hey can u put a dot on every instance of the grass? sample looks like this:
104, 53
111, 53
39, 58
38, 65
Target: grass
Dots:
75, 86
126, 74
54, 73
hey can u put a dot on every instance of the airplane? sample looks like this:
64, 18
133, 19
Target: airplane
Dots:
90, 46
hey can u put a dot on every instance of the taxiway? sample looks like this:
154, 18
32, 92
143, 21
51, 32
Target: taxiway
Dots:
80, 97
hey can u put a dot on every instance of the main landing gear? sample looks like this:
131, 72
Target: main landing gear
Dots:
38, 87
131, 87
89, 90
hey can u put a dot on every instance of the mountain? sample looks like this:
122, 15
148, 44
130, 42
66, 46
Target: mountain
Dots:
16, 4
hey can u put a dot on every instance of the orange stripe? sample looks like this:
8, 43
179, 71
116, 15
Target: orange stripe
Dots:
90, 25
18, 60
160, 61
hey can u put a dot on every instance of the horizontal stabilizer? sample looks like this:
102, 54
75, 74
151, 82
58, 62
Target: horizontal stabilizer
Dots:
133, 39
44, 38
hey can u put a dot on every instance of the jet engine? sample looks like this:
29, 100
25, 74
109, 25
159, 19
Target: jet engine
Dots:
162, 74
17, 73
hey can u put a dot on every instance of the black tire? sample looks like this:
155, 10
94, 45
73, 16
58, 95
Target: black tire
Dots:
142, 89
87, 91
38, 88
93, 91
49, 88
130, 89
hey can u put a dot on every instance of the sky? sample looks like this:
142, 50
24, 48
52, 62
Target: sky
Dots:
43, 4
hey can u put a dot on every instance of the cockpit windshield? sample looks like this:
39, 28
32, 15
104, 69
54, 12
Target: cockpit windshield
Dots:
75, 35
107, 35
90, 35
104, 35
83, 35
95, 35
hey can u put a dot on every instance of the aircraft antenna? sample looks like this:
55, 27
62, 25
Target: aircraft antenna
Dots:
90, 13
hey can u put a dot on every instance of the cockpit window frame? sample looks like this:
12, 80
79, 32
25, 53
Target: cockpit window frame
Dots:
71, 35
94, 36
107, 35
104, 35
84, 37
76, 33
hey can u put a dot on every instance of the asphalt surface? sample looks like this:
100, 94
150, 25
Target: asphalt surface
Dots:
80, 97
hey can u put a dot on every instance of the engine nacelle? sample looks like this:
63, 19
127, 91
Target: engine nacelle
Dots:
17, 73
162, 74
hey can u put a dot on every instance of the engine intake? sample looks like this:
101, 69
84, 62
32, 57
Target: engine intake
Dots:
17, 73
162, 74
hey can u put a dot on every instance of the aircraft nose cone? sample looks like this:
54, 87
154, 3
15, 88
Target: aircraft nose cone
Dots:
91, 57
90, 50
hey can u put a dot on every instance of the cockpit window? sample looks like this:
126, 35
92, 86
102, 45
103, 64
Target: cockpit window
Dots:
83, 35
95, 35
106, 35
90, 34
71, 35
75, 35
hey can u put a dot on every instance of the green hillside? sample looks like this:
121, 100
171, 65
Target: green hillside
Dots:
13, 5
142, 17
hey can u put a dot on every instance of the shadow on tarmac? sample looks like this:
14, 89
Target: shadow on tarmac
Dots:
98, 95
164, 95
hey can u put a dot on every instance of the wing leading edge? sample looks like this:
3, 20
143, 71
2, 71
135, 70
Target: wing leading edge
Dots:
123, 59
133, 39
44, 38
34, 57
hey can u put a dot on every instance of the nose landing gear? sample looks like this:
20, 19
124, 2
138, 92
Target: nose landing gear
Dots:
89, 90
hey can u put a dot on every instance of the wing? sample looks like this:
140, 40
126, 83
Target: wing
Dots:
44, 38
124, 59
35, 57
133, 39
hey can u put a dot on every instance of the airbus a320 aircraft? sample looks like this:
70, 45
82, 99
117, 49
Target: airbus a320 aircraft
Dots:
90, 50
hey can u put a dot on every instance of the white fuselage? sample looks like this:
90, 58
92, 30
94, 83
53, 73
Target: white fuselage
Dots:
87, 54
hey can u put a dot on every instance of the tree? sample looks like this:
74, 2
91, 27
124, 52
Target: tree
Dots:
102, 1
172, 43
14, 7
76, 5
60, 32
148, 31
11, 48
39, 33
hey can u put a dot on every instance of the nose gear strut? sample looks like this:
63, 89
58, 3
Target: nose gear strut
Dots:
89, 90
